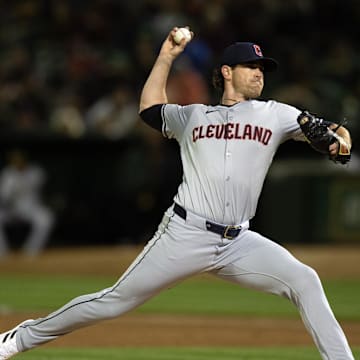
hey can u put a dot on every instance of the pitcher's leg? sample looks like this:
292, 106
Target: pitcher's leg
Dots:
163, 261
271, 268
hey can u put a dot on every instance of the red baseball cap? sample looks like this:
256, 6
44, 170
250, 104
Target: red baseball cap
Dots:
246, 52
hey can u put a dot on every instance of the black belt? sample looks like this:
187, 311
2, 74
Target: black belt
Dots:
226, 231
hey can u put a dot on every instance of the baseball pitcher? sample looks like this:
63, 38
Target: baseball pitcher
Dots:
226, 151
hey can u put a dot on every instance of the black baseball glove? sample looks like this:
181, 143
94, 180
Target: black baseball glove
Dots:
318, 133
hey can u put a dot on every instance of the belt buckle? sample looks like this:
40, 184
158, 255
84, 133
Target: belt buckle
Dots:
228, 228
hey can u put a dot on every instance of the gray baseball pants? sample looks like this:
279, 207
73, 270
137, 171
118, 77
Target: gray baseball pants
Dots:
182, 248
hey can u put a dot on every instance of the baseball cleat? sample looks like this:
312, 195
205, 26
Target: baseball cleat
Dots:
8, 346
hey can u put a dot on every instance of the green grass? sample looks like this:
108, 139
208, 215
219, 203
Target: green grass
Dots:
43, 292
163, 353
200, 295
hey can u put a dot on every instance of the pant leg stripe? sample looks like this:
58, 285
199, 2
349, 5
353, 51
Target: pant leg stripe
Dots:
125, 276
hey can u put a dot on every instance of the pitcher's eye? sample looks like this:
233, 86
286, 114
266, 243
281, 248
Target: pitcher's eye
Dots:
254, 65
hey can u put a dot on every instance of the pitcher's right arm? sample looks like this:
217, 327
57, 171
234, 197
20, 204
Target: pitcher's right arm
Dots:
154, 90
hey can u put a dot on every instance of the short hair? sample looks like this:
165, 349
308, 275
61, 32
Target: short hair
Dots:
218, 79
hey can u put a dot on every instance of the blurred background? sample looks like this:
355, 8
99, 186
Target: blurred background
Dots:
71, 73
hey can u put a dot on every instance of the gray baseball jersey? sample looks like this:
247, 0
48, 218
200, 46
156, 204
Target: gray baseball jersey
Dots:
226, 153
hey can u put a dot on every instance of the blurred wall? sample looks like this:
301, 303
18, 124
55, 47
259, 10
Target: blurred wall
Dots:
103, 192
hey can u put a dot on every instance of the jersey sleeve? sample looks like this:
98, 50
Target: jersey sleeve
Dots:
287, 116
175, 119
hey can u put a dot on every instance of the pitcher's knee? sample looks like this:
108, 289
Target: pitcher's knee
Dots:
306, 279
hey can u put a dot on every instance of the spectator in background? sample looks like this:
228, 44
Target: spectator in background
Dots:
23, 103
21, 185
66, 117
113, 115
47, 46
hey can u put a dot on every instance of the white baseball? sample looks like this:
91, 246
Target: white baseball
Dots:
182, 33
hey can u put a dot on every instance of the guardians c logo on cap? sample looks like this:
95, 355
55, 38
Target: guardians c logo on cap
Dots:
258, 50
